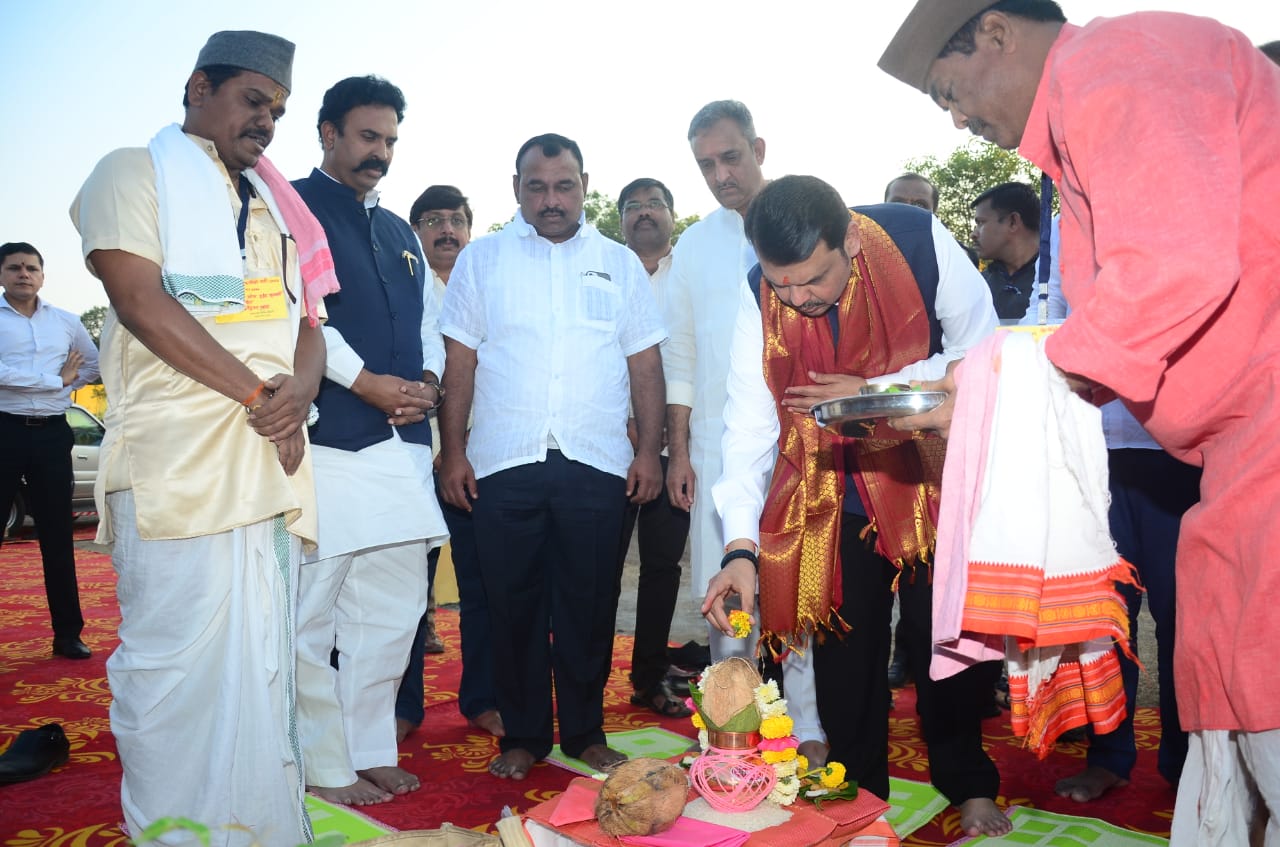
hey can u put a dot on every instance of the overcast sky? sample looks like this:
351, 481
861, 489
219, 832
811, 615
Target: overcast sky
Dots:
81, 77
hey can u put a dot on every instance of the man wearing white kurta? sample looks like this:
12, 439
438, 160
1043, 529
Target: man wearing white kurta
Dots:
365, 589
708, 269
208, 517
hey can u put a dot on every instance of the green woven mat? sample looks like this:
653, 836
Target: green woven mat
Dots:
327, 817
912, 805
651, 741
1036, 828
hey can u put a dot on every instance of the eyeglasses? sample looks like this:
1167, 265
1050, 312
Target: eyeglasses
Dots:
435, 222
653, 205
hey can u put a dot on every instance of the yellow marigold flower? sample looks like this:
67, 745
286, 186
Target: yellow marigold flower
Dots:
775, 756
741, 623
833, 775
697, 720
776, 727
802, 763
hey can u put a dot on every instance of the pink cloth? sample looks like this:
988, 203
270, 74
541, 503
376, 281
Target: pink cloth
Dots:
315, 262
978, 376
1161, 132
688, 832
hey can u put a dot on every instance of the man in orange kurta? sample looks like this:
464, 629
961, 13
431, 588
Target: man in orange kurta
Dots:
1160, 131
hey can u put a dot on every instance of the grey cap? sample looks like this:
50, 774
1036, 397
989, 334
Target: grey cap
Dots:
260, 52
923, 34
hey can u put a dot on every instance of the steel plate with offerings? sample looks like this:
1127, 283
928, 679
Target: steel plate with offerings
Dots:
846, 415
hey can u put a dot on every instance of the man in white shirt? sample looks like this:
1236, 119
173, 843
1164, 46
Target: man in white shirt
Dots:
647, 212
45, 354
546, 324
841, 297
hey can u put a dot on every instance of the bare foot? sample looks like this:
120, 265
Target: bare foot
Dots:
1089, 784
601, 758
359, 793
513, 764
981, 816
403, 728
815, 751
390, 778
490, 721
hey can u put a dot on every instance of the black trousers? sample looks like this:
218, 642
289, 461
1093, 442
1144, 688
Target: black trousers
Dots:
547, 545
42, 454
664, 529
852, 681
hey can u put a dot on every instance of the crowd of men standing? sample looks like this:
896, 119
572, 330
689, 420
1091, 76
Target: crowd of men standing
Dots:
272, 556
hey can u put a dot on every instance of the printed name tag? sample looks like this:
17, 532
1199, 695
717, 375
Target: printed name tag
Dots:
263, 301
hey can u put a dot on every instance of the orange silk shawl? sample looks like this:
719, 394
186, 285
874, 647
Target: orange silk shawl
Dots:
883, 327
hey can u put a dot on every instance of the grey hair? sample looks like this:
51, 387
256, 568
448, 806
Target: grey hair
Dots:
719, 110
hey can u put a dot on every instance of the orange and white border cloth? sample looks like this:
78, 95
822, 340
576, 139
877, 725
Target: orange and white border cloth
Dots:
1024, 546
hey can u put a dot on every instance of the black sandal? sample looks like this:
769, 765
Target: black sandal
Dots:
662, 700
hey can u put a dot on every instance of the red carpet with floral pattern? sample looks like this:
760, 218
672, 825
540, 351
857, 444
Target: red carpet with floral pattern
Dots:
78, 804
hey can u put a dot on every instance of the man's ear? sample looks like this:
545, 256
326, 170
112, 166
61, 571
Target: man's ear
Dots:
757, 147
853, 238
198, 88
328, 135
996, 29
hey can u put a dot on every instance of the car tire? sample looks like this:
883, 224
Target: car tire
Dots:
17, 515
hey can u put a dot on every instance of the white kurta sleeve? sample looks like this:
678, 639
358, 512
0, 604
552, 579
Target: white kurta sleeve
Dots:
432, 340
342, 363
680, 351
750, 443
962, 304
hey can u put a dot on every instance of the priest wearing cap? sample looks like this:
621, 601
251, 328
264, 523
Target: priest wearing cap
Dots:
1131, 116
211, 355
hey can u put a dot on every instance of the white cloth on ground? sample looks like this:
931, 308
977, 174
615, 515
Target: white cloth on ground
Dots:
203, 681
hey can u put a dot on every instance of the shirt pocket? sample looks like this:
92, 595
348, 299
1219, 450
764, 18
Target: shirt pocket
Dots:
599, 300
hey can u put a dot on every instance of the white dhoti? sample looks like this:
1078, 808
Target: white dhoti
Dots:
202, 683
1229, 793
363, 594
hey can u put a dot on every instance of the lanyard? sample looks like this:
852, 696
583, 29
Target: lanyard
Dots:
242, 225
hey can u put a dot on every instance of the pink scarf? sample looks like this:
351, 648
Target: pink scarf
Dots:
315, 262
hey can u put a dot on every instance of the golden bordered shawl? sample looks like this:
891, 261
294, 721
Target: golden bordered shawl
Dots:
883, 327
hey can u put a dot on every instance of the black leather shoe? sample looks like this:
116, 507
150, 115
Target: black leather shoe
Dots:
71, 648
899, 675
34, 753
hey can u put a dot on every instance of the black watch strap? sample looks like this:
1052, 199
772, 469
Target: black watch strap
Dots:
740, 554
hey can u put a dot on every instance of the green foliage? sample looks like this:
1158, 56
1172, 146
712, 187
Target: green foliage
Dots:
93, 320
602, 213
966, 173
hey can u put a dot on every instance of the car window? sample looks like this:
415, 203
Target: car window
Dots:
86, 431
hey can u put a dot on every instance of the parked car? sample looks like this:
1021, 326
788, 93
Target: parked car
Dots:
87, 432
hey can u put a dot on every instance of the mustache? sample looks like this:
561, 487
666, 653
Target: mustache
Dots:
447, 239
374, 164
258, 135
550, 212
